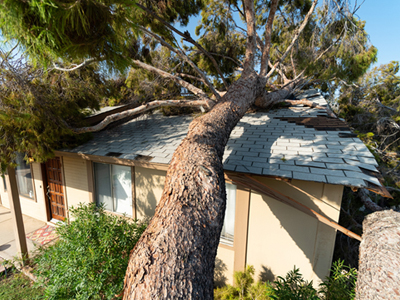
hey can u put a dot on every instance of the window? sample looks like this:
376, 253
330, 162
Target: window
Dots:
113, 187
24, 177
228, 228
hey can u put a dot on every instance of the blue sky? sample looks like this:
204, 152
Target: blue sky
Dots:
382, 24
383, 27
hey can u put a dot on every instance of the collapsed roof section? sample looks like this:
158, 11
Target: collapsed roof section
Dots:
292, 143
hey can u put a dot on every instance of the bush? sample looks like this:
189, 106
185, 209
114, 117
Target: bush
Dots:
294, 287
91, 256
340, 285
244, 288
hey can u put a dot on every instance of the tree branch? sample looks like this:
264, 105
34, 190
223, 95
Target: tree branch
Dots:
251, 36
239, 10
285, 79
366, 200
190, 76
268, 33
310, 104
185, 58
223, 56
131, 112
295, 37
186, 36
76, 67
198, 92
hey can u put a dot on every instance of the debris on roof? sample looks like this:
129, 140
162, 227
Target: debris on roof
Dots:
294, 143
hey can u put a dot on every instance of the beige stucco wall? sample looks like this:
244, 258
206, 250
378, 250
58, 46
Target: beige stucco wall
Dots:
76, 181
35, 208
149, 185
224, 266
281, 237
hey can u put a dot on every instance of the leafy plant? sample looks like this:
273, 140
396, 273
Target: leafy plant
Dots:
91, 256
244, 288
293, 286
341, 284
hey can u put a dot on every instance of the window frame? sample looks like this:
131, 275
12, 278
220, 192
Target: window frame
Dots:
94, 190
23, 196
223, 240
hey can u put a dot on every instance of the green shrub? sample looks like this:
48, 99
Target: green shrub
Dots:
341, 284
91, 256
244, 288
294, 287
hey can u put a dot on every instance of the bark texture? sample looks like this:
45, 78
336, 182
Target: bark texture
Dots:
379, 266
174, 259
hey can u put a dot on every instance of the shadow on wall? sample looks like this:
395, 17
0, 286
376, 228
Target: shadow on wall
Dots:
266, 275
149, 185
301, 229
219, 273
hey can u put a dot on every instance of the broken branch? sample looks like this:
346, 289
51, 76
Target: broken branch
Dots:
145, 107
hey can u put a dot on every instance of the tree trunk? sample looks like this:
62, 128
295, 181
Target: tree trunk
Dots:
379, 266
174, 259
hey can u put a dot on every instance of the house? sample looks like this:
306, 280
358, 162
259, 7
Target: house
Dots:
285, 170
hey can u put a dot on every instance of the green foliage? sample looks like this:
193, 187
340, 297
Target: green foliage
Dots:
39, 108
293, 286
371, 107
341, 284
341, 40
244, 288
48, 30
91, 256
16, 286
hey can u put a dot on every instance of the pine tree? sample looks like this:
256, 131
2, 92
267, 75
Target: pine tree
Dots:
175, 256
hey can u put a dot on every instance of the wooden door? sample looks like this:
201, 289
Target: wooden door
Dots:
55, 189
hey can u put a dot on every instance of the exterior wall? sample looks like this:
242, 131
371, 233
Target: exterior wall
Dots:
36, 207
281, 237
77, 189
270, 235
149, 185
224, 266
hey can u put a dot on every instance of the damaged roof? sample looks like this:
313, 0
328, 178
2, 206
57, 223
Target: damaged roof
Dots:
294, 143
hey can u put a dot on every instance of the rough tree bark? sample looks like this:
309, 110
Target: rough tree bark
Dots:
184, 232
175, 257
379, 261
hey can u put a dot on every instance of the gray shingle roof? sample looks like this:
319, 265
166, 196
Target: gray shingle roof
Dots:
261, 144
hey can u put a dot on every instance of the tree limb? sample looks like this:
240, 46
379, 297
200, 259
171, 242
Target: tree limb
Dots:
251, 36
190, 76
76, 67
285, 79
223, 56
145, 107
310, 104
353, 222
184, 57
186, 36
295, 37
268, 33
198, 92
366, 200
240, 11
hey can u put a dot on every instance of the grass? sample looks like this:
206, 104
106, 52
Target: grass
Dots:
17, 286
